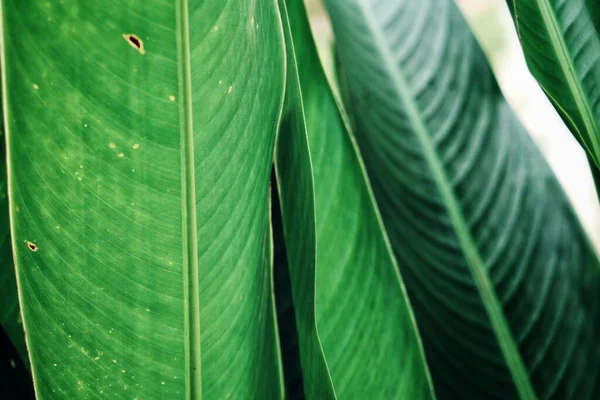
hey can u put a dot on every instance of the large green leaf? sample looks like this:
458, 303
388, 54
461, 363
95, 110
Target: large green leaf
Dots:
363, 319
561, 41
503, 281
140, 142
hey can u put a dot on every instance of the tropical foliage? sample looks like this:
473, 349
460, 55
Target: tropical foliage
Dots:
194, 212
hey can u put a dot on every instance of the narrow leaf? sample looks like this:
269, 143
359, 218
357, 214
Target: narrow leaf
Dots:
502, 278
561, 42
363, 318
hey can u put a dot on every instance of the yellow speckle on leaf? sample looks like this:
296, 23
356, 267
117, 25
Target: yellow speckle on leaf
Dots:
172, 98
121, 155
35, 86
230, 89
136, 146
112, 145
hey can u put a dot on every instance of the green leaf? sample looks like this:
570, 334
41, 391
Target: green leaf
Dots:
343, 274
502, 279
296, 196
140, 143
561, 41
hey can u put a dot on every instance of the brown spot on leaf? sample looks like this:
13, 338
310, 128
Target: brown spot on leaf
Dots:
135, 42
32, 246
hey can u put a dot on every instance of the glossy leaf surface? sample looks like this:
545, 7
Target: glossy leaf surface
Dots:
141, 136
561, 42
503, 281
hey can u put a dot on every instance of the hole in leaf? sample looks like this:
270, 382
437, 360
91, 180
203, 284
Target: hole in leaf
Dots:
135, 42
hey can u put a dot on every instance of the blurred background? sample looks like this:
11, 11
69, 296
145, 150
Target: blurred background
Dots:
493, 27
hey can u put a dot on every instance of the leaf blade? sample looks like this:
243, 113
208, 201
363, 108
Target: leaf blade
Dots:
563, 57
456, 178
99, 177
357, 285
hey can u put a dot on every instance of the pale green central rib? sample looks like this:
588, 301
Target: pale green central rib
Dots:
568, 68
468, 246
193, 380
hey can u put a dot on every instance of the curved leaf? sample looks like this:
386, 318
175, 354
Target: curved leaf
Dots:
561, 41
503, 281
140, 143
365, 323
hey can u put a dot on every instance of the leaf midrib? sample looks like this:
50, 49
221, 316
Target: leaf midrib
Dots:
567, 66
193, 378
458, 220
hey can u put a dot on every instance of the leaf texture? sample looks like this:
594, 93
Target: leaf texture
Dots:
363, 318
140, 143
561, 42
501, 276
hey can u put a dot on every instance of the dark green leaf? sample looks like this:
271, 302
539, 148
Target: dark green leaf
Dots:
561, 41
503, 281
